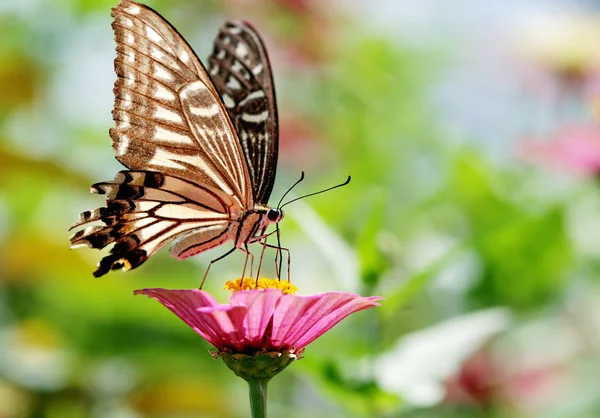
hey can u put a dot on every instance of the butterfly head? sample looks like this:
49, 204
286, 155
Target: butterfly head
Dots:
275, 215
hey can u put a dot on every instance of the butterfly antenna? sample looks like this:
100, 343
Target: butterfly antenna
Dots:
315, 193
290, 189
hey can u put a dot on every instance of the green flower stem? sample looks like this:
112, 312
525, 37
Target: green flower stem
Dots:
257, 369
258, 397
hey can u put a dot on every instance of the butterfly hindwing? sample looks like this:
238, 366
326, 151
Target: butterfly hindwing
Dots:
146, 210
240, 69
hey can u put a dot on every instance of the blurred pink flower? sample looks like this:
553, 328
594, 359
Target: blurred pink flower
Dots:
475, 381
575, 148
260, 320
486, 380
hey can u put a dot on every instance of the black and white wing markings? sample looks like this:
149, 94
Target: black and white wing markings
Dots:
168, 114
144, 211
240, 68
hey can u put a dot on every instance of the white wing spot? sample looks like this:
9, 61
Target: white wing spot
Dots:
80, 245
170, 137
241, 50
145, 206
88, 229
134, 10
258, 69
129, 22
205, 111
150, 231
166, 114
195, 88
123, 145
186, 212
256, 94
131, 57
152, 34
124, 123
236, 30
233, 83
239, 68
184, 56
157, 53
221, 54
160, 72
226, 40
214, 70
164, 93
143, 222
130, 38
229, 103
127, 100
261, 117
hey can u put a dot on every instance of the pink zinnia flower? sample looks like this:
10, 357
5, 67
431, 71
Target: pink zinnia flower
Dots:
263, 329
260, 320
575, 148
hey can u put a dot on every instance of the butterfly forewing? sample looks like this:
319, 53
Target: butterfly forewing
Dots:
240, 69
168, 115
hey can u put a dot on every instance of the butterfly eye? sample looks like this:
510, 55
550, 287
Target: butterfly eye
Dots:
275, 215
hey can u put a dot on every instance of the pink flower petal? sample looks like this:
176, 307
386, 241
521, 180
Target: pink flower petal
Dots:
226, 325
292, 311
299, 320
354, 304
261, 306
202, 312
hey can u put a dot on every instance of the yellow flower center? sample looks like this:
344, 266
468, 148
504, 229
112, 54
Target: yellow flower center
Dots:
262, 284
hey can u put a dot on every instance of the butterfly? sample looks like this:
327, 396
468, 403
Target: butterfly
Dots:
200, 146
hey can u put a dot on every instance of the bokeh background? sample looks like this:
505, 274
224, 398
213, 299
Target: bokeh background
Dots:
472, 132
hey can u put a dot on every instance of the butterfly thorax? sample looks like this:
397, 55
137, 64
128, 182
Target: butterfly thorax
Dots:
253, 224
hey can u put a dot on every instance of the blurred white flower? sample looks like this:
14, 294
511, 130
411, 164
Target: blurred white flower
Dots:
418, 365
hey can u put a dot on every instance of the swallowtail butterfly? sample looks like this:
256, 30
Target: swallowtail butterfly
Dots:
200, 146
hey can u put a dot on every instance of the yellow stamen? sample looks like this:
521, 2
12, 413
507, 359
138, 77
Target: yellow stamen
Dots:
262, 284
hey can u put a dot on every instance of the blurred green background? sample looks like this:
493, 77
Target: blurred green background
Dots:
472, 133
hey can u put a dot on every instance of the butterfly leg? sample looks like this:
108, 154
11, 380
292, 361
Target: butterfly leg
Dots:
278, 256
214, 261
261, 237
289, 261
262, 254
279, 253
251, 256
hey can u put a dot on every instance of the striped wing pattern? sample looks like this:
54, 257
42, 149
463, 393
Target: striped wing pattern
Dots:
240, 69
168, 114
144, 211
187, 179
